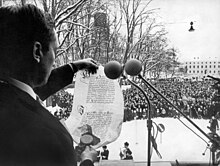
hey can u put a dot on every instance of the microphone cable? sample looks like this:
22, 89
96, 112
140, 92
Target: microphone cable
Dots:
154, 136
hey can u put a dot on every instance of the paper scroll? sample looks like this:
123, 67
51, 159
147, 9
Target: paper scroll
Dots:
98, 108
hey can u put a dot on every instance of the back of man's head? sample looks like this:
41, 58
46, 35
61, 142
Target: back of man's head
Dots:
20, 27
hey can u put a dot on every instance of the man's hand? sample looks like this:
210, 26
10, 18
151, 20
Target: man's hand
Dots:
89, 154
88, 64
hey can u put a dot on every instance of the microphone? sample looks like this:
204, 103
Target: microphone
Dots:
133, 67
113, 69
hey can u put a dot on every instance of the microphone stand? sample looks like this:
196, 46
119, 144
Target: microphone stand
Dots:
197, 127
149, 121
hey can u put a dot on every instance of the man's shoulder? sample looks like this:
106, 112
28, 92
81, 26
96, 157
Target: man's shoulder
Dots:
6, 95
4, 87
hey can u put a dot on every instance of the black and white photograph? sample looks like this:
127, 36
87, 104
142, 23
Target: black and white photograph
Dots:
142, 75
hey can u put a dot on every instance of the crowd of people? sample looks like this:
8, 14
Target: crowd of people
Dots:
193, 98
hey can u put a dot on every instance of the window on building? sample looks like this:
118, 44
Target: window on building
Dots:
214, 66
190, 66
193, 71
190, 71
210, 66
202, 66
205, 66
214, 71
193, 66
201, 71
210, 71
197, 71
198, 66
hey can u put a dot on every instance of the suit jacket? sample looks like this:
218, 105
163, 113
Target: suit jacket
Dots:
105, 154
30, 134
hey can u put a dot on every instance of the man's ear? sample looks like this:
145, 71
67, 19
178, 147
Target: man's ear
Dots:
37, 51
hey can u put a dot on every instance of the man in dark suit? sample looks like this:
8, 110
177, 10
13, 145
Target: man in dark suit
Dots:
29, 134
104, 153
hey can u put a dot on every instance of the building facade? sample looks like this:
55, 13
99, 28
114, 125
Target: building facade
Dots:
199, 69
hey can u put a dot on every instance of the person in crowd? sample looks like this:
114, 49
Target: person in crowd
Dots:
125, 152
30, 134
213, 124
104, 153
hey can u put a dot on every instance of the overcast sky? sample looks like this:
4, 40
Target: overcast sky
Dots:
204, 42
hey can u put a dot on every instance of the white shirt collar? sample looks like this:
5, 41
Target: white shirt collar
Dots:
23, 87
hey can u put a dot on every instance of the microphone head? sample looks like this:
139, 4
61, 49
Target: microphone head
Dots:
113, 69
133, 67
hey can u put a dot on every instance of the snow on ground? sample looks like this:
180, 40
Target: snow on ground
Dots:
177, 142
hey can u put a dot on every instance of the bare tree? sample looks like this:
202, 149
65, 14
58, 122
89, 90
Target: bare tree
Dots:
172, 64
135, 13
74, 26
88, 28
